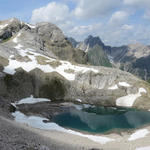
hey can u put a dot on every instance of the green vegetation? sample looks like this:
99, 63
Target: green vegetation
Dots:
69, 70
148, 81
6, 40
41, 60
44, 61
8, 78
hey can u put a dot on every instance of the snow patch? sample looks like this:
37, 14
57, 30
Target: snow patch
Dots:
31, 26
15, 40
113, 87
3, 26
29, 66
129, 100
19, 46
80, 107
37, 122
32, 100
111, 59
125, 84
79, 100
143, 148
138, 134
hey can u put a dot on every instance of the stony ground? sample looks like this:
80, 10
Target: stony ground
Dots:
14, 136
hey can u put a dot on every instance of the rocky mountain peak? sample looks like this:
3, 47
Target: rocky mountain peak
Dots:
44, 37
92, 41
50, 31
73, 41
9, 27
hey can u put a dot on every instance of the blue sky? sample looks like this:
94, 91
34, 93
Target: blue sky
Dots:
117, 22
21, 9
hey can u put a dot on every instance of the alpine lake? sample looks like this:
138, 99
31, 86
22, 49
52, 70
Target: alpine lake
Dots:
102, 119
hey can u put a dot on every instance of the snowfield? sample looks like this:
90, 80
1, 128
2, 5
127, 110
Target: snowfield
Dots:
3, 26
31, 65
139, 134
113, 87
125, 84
143, 148
128, 101
32, 100
15, 40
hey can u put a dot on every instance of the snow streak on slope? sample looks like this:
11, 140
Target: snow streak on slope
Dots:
128, 101
31, 65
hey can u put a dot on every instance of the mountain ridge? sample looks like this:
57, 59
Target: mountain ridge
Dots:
127, 57
47, 70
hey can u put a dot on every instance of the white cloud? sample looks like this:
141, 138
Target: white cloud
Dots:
118, 18
140, 3
83, 31
53, 12
87, 9
147, 15
112, 20
127, 27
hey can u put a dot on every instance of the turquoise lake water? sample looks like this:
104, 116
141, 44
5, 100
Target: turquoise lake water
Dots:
101, 119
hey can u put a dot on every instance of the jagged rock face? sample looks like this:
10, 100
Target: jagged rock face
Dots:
26, 70
51, 31
73, 42
90, 42
97, 57
9, 27
94, 48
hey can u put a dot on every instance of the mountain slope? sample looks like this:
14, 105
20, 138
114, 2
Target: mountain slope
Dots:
97, 57
133, 58
44, 37
31, 67
94, 48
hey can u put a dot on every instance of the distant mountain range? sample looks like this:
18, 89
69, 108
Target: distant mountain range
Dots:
133, 58
94, 49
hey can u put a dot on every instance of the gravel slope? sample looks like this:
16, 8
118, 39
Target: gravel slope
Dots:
13, 137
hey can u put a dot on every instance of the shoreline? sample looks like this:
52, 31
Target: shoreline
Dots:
110, 140
67, 105
121, 141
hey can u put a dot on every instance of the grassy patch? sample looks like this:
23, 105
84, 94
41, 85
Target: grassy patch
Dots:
44, 61
148, 81
54, 64
41, 60
7, 79
29, 53
69, 71
3, 61
22, 59
6, 40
